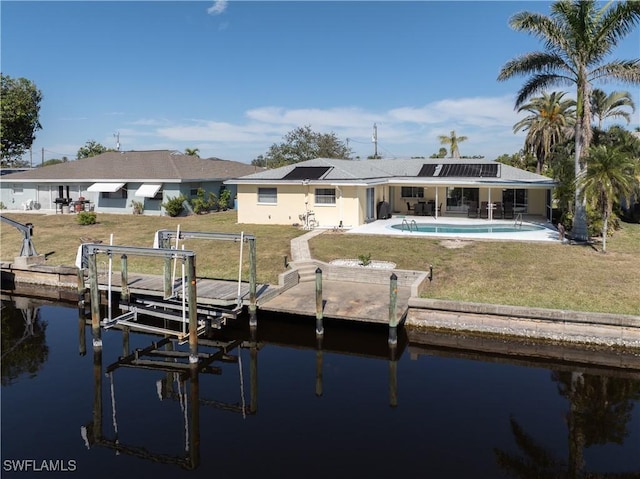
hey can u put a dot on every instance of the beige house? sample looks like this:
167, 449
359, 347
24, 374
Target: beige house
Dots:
330, 193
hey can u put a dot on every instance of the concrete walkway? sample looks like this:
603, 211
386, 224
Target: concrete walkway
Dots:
300, 246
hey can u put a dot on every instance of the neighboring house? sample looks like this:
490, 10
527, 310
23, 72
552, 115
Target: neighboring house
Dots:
349, 193
112, 180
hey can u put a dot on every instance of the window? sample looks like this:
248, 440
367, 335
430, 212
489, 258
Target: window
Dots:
325, 196
121, 193
193, 191
518, 198
268, 195
412, 192
458, 199
17, 190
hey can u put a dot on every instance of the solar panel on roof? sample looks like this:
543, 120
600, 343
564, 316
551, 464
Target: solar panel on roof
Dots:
306, 173
475, 170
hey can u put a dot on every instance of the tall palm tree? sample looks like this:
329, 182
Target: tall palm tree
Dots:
605, 106
578, 37
452, 140
610, 175
550, 121
192, 152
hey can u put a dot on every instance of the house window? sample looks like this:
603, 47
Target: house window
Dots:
193, 191
458, 199
268, 195
17, 190
325, 196
412, 192
158, 195
519, 199
121, 193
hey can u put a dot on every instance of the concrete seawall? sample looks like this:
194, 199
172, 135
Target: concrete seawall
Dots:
532, 323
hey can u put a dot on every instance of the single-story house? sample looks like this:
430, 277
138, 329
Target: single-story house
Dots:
110, 182
348, 193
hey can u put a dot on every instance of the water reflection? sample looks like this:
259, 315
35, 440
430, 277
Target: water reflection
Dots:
24, 346
143, 401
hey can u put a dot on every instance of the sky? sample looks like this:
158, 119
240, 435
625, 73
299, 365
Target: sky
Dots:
231, 78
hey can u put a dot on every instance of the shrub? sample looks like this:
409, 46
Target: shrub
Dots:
86, 218
201, 205
223, 201
138, 207
365, 259
173, 206
2, 206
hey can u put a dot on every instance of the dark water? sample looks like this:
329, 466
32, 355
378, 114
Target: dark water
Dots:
280, 407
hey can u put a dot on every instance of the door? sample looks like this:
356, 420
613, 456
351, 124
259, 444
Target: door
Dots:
370, 207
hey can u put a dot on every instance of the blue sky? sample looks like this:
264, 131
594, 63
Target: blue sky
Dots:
231, 78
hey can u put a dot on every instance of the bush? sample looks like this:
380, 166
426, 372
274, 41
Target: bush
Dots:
223, 201
201, 205
365, 259
86, 218
173, 206
138, 207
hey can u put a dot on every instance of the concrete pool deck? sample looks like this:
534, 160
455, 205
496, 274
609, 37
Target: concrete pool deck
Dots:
384, 227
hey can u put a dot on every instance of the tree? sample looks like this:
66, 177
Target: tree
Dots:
192, 152
55, 161
304, 144
20, 117
91, 148
605, 106
549, 122
610, 175
452, 140
578, 37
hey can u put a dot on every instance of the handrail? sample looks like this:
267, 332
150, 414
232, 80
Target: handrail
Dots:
409, 225
518, 218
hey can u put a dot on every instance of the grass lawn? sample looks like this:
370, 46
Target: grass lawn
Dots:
527, 274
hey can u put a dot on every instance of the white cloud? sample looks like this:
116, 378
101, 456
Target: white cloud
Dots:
402, 131
218, 7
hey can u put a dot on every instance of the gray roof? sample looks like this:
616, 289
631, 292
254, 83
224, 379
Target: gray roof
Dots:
393, 171
157, 165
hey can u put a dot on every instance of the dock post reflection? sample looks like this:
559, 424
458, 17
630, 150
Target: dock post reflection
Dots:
252, 283
82, 338
253, 370
319, 360
393, 375
194, 437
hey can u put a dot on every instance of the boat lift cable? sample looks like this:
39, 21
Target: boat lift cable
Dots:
113, 405
175, 261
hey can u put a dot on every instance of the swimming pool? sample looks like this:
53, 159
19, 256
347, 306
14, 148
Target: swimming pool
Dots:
459, 228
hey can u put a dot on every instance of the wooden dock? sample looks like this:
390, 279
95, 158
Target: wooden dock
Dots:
215, 292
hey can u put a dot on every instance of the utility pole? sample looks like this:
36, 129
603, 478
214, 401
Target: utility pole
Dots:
42, 156
116, 135
374, 139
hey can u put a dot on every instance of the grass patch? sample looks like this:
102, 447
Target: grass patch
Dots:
546, 275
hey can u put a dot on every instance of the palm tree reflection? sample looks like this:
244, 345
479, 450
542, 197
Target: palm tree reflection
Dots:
600, 411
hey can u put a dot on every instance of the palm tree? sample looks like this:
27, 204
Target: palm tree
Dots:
550, 121
192, 152
453, 141
610, 175
605, 106
578, 38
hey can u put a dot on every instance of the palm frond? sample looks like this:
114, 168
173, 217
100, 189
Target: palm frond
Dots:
534, 62
624, 71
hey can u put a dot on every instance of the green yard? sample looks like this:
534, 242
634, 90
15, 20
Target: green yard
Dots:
530, 274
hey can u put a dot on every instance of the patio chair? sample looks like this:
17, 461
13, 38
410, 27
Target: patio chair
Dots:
472, 212
484, 209
508, 211
410, 208
498, 213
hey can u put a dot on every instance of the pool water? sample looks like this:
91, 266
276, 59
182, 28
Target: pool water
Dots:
445, 228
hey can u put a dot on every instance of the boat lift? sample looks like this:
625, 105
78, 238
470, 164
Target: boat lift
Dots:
28, 249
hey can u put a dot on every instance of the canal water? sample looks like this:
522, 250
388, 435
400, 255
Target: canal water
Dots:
279, 404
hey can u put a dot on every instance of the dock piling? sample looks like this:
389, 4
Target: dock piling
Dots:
193, 310
124, 283
319, 323
95, 300
393, 313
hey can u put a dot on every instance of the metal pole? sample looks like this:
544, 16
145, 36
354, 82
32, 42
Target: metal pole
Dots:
95, 300
124, 282
393, 315
319, 325
193, 309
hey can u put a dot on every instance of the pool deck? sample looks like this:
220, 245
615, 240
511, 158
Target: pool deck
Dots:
384, 227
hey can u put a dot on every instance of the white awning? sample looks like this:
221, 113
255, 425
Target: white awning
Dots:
105, 187
148, 190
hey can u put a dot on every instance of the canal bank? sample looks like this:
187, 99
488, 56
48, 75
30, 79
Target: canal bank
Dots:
348, 296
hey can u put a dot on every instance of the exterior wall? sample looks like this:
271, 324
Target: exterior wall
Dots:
538, 202
294, 200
